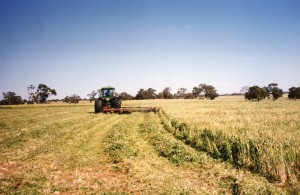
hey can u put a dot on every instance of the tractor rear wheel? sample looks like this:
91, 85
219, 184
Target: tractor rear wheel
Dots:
118, 102
98, 106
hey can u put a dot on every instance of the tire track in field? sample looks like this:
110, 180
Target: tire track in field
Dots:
68, 135
20, 132
51, 134
86, 166
243, 181
34, 115
86, 141
18, 139
63, 152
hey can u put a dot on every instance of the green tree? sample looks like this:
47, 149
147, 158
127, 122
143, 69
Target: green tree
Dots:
294, 93
181, 92
146, 94
166, 93
11, 98
126, 96
150, 93
256, 93
189, 96
141, 95
208, 91
66, 99
197, 91
74, 99
42, 93
275, 91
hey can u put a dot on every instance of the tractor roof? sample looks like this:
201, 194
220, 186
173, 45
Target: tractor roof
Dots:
105, 88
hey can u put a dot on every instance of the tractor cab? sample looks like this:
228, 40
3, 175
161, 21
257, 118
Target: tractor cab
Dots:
108, 92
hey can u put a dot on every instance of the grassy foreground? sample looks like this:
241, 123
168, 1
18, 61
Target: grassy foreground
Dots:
69, 149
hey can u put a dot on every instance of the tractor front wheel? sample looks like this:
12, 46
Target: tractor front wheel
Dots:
98, 106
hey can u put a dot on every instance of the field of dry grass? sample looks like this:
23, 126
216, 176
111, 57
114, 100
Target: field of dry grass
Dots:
69, 149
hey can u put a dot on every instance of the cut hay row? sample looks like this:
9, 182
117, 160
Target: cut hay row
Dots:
272, 158
222, 178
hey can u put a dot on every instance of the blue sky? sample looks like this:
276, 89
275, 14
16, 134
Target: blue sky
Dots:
79, 46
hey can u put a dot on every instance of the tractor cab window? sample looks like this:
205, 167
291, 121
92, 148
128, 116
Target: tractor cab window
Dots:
107, 93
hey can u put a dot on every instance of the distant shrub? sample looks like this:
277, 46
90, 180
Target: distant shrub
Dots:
72, 99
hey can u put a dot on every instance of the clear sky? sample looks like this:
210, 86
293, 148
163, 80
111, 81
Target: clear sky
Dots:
78, 46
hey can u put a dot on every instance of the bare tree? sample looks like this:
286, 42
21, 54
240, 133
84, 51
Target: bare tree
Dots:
244, 89
92, 95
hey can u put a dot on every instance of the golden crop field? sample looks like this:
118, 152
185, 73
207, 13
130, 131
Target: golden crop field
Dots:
224, 146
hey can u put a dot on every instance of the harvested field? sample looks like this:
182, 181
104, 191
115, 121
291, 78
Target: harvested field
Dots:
225, 146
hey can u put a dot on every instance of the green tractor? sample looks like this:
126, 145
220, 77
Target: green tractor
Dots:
107, 100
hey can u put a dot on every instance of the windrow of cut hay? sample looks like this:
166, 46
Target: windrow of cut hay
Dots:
221, 177
275, 157
262, 156
119, 144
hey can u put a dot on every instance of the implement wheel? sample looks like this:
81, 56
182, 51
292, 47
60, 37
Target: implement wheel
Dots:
98, 106
117, 102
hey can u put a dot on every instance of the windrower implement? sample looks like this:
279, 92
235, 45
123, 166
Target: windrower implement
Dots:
128, 110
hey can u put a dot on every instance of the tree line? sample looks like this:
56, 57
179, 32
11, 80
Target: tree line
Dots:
40, 94
200, 91
259, 93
